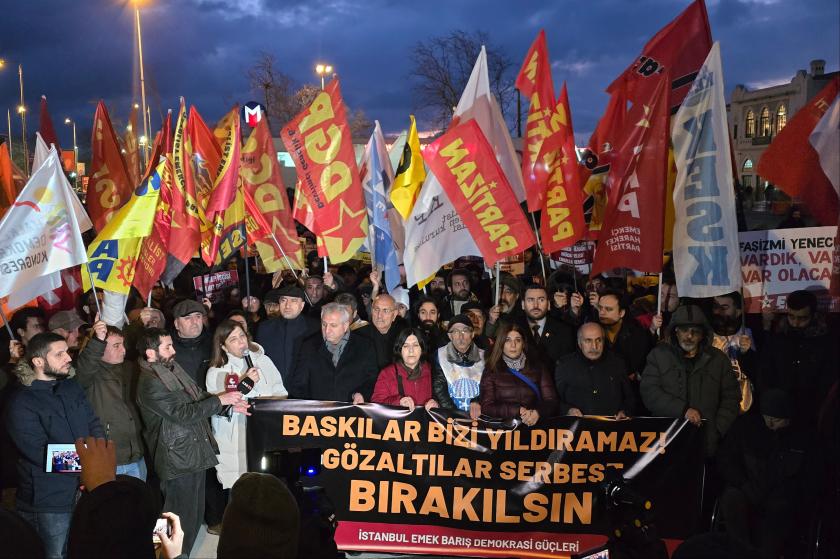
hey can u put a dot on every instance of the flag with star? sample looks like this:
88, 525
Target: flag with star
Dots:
321, 144
377, 181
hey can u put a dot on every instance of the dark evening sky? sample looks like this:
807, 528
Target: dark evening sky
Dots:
77, 52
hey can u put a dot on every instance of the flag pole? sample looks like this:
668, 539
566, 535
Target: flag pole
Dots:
247, 277
6, 322
326, 266
659, 300
93, 288
539, 248
498, 281
289, 264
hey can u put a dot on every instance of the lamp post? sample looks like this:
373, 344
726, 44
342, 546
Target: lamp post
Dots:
142, 75
9, 123
323, 70
22, 111
70, 122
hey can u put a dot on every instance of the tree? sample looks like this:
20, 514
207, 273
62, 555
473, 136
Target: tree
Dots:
441, 67
284, 100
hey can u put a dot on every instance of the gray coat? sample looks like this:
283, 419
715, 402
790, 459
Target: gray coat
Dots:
671, 384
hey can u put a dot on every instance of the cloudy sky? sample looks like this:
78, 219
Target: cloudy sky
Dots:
77, 52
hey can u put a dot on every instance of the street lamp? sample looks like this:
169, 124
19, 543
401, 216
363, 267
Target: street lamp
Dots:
142, 73
323, 70
22, 111
70, 122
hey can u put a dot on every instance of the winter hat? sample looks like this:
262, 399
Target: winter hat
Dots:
460, 319
262, 519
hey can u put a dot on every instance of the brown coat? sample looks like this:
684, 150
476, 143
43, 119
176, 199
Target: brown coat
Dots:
502, 394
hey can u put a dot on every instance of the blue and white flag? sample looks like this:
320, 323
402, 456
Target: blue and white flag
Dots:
706, 253
379, 176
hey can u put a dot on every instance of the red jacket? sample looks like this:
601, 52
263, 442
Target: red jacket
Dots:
387, 389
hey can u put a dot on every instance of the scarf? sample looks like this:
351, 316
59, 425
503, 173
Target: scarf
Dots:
467, 359
516, 364
412, 374
337, 349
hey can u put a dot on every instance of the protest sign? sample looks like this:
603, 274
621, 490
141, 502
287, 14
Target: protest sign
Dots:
213, 285
438, 483
778, 262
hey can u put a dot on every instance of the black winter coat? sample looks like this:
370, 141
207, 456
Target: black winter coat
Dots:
282, 340
193, 355
594, 387
40, 413
632, 344
556, 341
383, 344
316, 378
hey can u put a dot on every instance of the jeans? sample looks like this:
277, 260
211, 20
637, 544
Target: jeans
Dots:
133, 469
53, 528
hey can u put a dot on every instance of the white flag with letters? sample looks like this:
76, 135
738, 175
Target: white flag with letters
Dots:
41, 233
434, 233
706, 252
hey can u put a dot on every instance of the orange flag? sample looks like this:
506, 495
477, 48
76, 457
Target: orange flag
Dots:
266, 201
320, 142
223, 199
110, 185
11, 179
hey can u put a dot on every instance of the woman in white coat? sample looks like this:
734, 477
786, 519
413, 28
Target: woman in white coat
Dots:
227, 368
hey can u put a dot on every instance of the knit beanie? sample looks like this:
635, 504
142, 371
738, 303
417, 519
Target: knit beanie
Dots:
261, 520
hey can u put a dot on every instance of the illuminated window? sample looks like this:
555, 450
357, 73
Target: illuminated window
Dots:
748, 164
750, 124
781, 118
764, 122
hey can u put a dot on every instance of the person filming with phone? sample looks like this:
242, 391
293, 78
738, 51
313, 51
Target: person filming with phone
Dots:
49, 407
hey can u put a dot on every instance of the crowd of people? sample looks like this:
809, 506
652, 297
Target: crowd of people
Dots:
158, 408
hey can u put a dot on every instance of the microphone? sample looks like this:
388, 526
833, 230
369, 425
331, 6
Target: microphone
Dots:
246, 384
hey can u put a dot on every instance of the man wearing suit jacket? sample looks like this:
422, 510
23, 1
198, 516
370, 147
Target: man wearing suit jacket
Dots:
553, 338
336, 365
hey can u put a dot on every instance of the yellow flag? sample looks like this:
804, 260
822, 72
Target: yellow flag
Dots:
112, 256
410, 174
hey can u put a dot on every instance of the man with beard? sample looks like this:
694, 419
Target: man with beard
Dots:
175, 411
383, 329
458, 366
282, 336
687, 377
626, 337
49, 407
593, 381
458, 284
801, 359
553, 338
428, 320
731, 336
508, 306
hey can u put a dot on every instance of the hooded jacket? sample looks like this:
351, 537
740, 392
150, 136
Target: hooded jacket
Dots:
672, 383
47, 412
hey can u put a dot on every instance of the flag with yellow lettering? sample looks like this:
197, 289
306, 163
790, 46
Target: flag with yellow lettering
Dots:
225, 211
269, 220
321, 144
110, 185
410, 173
464, 163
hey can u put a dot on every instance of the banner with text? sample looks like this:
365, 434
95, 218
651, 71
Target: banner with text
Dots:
213, 285
438, 483
778, 262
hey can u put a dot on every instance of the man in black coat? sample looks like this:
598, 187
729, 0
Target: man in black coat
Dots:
192, 341
337, 365
282, 337
593, 381
553, 338
624, 336
383, 329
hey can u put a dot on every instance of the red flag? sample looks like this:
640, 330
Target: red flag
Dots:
11, 179
132, 153
633, 229
66, 297
676, 53
792, 163
46, 127
561, 221
321, 143
542, 128
466, 166
266, 200
222, 198
110, 186
151, 260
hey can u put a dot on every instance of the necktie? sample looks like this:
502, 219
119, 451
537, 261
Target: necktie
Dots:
536, 329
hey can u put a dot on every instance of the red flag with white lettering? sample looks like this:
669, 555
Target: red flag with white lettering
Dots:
110, 185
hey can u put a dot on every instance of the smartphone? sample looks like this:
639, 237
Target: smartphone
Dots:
63, 458
161, 525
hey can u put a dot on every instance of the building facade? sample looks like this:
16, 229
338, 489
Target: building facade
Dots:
755, 117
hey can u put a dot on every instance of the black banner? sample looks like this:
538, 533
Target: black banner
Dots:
437, 482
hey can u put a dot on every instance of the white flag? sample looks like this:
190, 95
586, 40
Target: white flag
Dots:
42, 232
706, 252
434, 233
826, 141
41, 151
